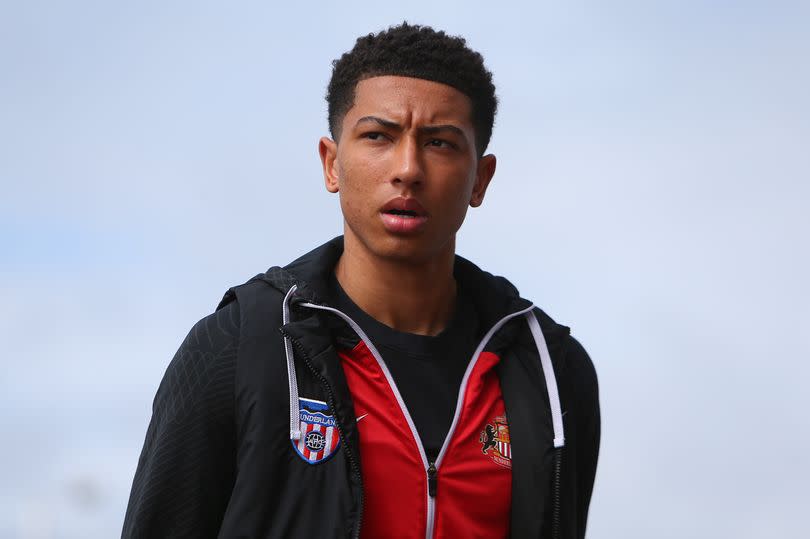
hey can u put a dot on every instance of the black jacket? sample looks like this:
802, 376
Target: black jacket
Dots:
217, 459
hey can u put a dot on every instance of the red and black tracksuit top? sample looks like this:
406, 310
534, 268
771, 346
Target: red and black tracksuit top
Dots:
255, 428
403, 496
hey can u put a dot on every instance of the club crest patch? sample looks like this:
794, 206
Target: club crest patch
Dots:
495, 442
320, 438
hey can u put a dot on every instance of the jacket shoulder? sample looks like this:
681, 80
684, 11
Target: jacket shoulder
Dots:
580, 368
180, 484
574, 355
258, 303
202, 370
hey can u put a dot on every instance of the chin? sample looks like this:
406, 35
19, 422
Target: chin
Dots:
400, 248
410, 250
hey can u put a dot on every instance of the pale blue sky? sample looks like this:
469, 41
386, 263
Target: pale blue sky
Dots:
652, 193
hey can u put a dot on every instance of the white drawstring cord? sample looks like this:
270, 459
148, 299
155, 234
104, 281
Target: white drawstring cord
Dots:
295, 410
540, 342
551, 380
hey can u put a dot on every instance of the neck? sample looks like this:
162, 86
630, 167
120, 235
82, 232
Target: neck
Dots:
412, 298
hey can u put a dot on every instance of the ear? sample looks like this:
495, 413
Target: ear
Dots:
327, 148
483, 175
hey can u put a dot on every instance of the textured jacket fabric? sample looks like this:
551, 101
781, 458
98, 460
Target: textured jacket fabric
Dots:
217, 460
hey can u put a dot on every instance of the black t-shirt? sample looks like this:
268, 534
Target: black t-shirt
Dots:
426, 369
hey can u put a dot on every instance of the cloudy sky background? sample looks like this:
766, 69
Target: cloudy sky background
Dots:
652, 192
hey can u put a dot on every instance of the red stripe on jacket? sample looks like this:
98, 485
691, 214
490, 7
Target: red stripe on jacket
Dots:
473, 495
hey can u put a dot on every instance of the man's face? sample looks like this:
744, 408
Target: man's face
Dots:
406, 168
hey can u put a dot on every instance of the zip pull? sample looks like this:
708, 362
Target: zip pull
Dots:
432, 480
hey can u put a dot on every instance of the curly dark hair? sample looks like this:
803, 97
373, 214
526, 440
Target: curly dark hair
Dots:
420, 52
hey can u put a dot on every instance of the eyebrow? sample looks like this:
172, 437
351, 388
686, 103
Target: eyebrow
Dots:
374, 119
428, 129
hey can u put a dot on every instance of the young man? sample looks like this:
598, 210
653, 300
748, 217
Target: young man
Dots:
379, 386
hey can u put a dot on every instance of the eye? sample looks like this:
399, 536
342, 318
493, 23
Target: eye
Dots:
372, 135
440, 143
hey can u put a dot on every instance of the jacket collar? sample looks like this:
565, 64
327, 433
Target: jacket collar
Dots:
494, 296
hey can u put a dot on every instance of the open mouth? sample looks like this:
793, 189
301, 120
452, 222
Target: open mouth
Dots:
402, 213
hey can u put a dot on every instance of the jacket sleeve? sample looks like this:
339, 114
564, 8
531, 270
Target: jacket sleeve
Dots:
583, 394
186, 470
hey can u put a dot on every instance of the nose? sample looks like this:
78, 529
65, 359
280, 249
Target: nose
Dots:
408, 167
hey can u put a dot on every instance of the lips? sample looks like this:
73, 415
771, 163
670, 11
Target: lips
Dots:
404, 206
403, 215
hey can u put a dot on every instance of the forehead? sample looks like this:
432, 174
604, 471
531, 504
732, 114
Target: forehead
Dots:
408, 99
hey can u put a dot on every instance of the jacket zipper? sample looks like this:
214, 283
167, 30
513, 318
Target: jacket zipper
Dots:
330, 399
460, 402
433, 484
431, 468
555, 512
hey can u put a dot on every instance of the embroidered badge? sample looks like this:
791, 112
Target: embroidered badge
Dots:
495, 442
319, 433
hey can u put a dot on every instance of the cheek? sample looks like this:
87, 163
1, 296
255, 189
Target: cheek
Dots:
356, 188
459, 192
457, 202
459, 214
362, 169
